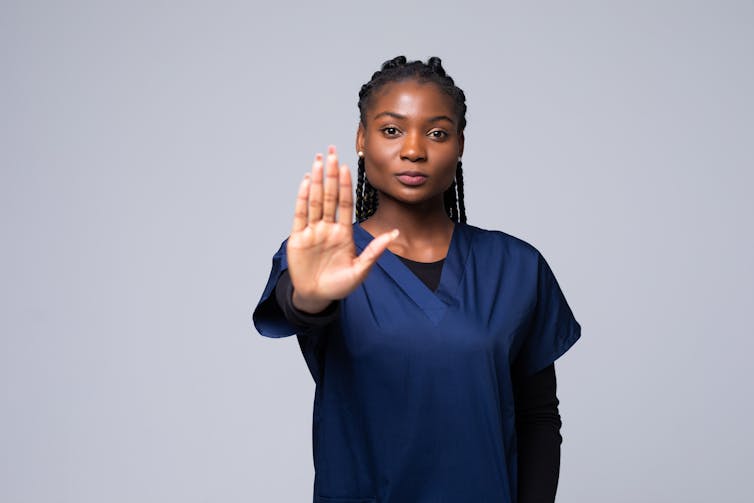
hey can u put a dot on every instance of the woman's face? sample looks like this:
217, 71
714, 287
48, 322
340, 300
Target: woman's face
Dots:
411, 142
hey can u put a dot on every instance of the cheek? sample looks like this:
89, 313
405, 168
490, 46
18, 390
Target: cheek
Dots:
380, 155
450, 165
450, 177
381, 162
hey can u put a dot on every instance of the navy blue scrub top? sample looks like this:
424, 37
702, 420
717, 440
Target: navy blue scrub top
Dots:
414, 398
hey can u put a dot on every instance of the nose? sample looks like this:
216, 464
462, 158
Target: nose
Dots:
413, 148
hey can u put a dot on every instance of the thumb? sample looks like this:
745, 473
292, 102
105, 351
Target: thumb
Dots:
372, 252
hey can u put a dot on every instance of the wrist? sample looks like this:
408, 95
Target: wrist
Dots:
309, 305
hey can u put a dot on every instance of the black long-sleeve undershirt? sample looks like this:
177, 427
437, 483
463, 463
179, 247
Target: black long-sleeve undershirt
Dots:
537, 419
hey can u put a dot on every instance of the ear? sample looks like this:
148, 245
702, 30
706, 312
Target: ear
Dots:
360, 134
461, 140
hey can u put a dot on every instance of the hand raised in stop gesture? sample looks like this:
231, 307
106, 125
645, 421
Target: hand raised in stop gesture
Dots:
322, 260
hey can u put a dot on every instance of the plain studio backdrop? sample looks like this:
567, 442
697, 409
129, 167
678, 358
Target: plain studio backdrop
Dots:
150, 155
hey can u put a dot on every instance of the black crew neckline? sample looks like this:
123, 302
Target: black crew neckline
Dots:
428, 272
408, 260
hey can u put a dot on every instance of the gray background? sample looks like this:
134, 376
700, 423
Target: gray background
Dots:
150, 155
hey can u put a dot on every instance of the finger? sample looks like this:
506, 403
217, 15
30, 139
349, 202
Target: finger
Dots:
372, 252
315, 191
331, 186
345, 196
302, 205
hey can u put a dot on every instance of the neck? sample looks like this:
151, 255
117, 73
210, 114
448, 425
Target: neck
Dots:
425, 229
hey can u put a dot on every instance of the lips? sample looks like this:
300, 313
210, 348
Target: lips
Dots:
412, 178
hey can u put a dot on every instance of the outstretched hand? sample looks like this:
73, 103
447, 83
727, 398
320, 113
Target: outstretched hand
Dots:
322, 260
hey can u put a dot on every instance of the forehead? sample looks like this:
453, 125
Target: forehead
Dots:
412, 99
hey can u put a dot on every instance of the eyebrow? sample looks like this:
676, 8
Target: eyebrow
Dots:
402, 117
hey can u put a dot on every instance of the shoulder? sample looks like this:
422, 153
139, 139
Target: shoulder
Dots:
496, 243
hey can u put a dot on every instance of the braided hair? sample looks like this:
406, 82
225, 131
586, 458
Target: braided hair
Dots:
398, 69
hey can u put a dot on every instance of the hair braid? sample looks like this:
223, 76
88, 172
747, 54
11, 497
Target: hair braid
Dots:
371, 206
366, 195
360, 192
449, 200
459, 187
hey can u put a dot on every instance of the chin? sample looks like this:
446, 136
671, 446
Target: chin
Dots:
413, 197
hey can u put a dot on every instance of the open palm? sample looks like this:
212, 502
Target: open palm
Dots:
322, 259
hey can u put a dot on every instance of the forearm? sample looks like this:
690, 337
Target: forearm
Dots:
538, 432
284, 293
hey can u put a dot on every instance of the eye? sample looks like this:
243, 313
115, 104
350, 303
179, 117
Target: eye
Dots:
390, 131
438, 134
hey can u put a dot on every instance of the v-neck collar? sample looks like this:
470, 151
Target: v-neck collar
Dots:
433, 304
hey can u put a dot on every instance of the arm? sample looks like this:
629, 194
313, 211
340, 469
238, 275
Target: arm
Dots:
305, 321
538, 430
319, 257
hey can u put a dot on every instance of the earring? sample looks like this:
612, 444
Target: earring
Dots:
360, 154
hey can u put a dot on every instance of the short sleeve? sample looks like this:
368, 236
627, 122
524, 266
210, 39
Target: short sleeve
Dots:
268, 317
553, 329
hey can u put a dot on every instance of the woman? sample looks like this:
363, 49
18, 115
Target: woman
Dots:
431, 341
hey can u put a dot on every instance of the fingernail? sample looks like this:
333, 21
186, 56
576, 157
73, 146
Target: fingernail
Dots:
395, 233
331, 149
318, 157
